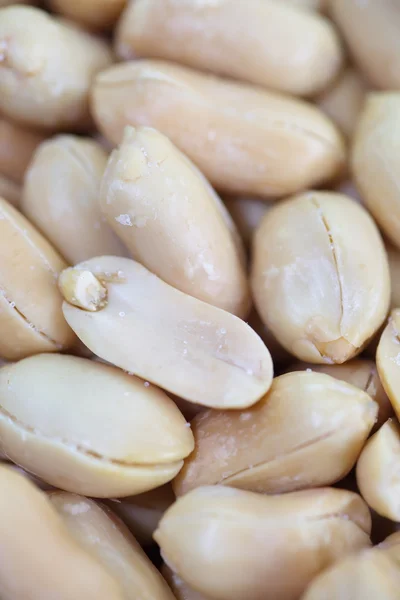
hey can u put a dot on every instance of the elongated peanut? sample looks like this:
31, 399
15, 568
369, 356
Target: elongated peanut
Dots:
40, 559
60, 197
94, 14
192, 349
320, 276
371, 31
231, 544
172, 222
103, 535
89, 428
17, 145
46, 68
388, 360
31, 318
281, 47
228, 129
375, 162
307, 431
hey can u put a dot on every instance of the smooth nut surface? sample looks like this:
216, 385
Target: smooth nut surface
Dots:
94, 14
320, 276
280, 47
307, 431
31, 319
89, 428
40, 559
227, 129
192, 349
388, 359
231, 544
46, 68
172, 221
102, 534
61, 197
17, 145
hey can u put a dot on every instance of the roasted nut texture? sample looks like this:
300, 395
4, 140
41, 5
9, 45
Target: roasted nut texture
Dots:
307, 431
280, 47
172, 222
17, 145
226, 128
89, 428
388, 360
31, 319
46, 68
192, 349
40, 559
94, 14
375, 161
257, 541
60, 197
102, 534
320, 276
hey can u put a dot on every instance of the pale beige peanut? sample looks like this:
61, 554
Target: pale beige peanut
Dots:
394, 266
93, 14
244, 139
361, 373
141, 513
281, 47
375, 162
46, 69
40, 559
89, 428
17, 145
100, 533
388, 359
306, 432
179, 587
172, 221
60, 197
232, 544
371, 29
31, 319
320, 276
344, 100
10, 191
378, 471
246, 213
185, 346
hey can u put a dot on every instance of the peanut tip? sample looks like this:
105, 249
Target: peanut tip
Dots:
82, 289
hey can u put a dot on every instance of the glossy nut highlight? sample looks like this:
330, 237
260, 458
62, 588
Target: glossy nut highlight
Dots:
94, 14
192, 349
378, 471
31, 319
388, 360
226, 128
280, 47
172, 221
371, 30
46, 68
89, 428
229, 544
320, 276
376, 163
308, 431
17, 145
40, 559
60, 197
100, 533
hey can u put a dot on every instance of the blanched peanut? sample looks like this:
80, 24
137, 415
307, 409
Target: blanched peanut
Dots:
181, 589
229, 544
141, 513
228, 129
361, 373
96, 529
60, 197
40, 559
192, 349
376, 163
246, 214
172, 221
94, 14
31, 318
46, 68
17, 145
388, 360
10, 191
371, 30
320, 276
343, 101
280, 47
308, 431
394, 266
378, 471
89, 428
